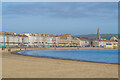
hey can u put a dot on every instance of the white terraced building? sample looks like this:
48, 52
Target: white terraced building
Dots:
33, 39
12, 39
51, 40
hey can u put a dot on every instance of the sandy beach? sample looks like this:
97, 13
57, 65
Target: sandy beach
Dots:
19, 66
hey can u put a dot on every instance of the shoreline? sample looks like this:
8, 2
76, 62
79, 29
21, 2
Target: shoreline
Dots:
20, 66
14, 52
67, 59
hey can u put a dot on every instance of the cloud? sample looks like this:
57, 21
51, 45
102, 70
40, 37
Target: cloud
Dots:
61, 9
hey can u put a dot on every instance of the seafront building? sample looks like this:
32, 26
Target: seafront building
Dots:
66, 40
84, 42
99, 42
105, 44
13, 39
75, 42
63, 40
51, 40
33, 39
10, 39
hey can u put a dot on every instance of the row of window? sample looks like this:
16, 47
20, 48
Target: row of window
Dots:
111, 44
39, 42
12, 43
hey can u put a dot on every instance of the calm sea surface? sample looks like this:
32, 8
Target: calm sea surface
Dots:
92, 55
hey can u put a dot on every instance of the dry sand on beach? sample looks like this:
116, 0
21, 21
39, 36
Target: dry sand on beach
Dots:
18, 66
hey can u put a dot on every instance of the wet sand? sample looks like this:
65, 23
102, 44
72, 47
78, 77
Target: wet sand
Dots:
19, 66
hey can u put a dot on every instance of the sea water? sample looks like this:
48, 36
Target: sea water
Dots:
91, 55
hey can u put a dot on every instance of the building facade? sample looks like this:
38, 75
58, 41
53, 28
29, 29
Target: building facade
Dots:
84, 42
63, 40
13, 39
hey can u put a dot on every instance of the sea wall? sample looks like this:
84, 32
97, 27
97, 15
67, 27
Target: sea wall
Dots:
21, 49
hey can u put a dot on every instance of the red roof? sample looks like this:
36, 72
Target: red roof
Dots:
101, 40
82, 38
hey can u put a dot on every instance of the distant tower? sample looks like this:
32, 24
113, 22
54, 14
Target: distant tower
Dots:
98, 34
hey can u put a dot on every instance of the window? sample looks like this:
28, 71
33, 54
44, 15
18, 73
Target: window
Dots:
115, 44
108, 43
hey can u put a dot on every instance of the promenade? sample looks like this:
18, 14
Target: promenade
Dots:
20, 49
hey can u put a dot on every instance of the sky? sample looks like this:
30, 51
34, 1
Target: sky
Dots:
74, 18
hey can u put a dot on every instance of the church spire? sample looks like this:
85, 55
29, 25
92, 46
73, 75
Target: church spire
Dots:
98, 34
